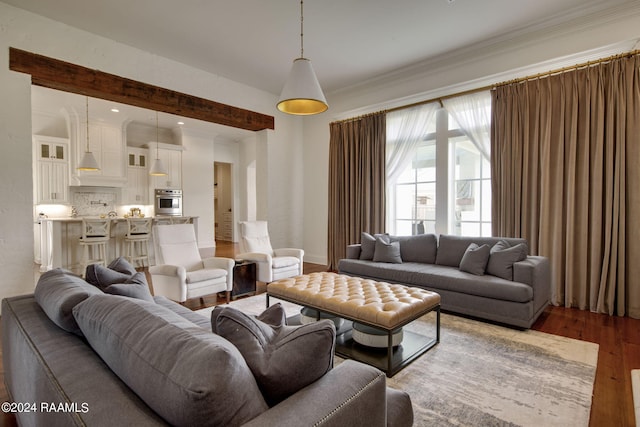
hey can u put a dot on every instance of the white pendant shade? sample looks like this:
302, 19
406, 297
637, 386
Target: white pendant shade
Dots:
157, 168
302, 94
88, 162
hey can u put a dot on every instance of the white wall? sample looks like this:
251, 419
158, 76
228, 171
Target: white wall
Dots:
197, 183
33, 33
587, 38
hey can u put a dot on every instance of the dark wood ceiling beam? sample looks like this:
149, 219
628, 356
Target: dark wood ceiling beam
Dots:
55, 74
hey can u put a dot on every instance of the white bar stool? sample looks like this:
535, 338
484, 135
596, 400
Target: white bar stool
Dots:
96, 233
137, 240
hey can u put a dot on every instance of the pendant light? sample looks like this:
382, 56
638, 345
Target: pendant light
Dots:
157, 168
302, 94
88, 162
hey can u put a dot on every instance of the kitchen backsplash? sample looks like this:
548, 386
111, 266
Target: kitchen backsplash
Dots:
94, 203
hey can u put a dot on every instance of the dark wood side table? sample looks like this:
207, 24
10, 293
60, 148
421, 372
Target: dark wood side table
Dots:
244, 279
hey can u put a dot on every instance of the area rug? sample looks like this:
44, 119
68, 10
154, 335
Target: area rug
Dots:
487, 375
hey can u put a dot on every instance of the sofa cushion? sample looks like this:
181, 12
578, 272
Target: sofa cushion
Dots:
57, 292
418, 248
386, 251
283, 359
284, 261
435, 277
134, 287
205, 274
475, 259
503, 256
186, 374
198, 319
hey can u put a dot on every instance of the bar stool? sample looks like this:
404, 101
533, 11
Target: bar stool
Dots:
137, 240
96, 233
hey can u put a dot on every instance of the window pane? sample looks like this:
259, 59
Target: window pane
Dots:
468, 200
403, 228
405, 195
409, 175
425, 163
486, 168
486, 200
469, 229
486, 229
425, 203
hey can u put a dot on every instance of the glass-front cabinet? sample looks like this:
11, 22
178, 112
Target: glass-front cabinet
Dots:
51, 170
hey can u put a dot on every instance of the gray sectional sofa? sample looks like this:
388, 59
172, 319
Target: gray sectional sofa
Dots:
74, 355
490, 278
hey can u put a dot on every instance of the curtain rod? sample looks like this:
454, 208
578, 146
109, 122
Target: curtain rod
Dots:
570, 68
508, 82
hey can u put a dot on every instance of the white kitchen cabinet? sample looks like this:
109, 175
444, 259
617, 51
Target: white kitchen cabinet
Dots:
137, 189
171, 157
51, 181
107, 143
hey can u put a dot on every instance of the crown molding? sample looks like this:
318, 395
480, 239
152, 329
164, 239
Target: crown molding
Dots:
570, 23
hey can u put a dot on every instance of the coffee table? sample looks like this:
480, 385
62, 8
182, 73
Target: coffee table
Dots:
383, 306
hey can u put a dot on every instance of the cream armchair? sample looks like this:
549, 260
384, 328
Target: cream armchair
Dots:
180, 273
272, 264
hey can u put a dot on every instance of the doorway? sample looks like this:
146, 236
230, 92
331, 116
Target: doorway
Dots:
223, 201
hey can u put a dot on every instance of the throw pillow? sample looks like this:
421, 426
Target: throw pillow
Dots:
57, 292
134, 287
368, 244
184, 373
274, 316
122, 265
502, 258
102, 277
475, 259
283, 359
387, 251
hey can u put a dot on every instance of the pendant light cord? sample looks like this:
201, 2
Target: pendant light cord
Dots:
157, 137
87, 124
301, 30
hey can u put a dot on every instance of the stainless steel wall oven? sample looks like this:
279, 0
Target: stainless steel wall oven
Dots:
168, 202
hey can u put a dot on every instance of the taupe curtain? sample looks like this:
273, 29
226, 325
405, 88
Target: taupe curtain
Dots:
356, 182
565, 176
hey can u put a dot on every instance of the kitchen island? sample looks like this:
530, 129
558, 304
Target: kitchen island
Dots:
60, 244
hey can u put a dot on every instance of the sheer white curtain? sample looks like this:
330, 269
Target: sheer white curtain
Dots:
473, 114
406, 128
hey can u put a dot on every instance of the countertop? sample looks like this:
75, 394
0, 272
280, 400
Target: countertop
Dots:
119, 218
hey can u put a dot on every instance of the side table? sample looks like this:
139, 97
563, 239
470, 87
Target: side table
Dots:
244, 279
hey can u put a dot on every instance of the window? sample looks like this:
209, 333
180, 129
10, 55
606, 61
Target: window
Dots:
444, 183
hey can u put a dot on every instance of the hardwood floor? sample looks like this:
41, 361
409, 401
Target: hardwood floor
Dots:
619, 352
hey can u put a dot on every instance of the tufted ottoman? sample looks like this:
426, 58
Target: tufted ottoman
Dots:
383, 306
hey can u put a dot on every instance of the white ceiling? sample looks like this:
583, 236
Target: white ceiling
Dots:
349, 41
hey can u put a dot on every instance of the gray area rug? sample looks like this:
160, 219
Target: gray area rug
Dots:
487, 375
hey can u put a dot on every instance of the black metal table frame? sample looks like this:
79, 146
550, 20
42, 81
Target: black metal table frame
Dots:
343, 346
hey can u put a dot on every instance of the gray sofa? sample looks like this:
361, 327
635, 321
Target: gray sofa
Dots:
490, 278
81, 357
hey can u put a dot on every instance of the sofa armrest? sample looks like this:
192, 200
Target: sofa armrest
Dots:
536, 272
296, 253
168, 270
353, 251
351, 394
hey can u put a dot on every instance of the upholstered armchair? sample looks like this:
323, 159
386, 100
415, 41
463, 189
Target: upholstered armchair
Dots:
272, 264
180, 273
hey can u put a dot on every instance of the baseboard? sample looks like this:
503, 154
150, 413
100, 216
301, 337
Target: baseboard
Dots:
635, 385
315, 259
